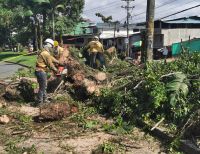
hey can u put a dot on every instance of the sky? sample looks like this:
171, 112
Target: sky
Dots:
113, 8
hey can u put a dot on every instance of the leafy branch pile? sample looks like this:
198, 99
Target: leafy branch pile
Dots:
161, 90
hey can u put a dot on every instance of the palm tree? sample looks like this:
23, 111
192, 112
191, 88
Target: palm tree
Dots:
55, 7
66, 10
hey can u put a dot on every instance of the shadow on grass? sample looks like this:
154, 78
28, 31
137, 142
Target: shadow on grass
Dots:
4, 56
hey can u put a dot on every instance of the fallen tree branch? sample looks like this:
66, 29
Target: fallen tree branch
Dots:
138, 84
157, 124
120, 79
61, 83
19, 132
45, 127
130, 146
170, 74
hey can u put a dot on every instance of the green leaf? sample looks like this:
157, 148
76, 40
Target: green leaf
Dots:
60, 6
173, 100
28, 13
177, 87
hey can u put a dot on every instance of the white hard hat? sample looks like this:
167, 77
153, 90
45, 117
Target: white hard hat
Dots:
50, 41
96, 37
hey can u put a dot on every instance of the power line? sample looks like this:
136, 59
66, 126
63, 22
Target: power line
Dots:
103, 6
166, 3
102, 9
169, 2
162, 12
105, 9
180, 11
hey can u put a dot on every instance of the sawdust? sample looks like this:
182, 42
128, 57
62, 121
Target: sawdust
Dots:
25, 109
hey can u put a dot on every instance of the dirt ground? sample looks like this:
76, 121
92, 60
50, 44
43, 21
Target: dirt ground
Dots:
70, 135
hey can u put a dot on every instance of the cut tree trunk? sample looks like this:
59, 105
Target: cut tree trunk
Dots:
101, 76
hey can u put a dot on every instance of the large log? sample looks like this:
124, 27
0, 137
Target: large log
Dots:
12, 93
22, 90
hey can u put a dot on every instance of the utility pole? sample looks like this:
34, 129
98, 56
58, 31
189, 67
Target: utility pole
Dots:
115, 29
150, 29
128, 7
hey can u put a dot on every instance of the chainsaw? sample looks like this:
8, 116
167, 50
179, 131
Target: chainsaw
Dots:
62, 72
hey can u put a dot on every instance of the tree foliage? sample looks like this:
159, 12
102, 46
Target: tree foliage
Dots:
37, 19
161, 90
103, 18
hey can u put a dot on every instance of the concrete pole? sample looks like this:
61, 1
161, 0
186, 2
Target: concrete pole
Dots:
127, 7
128, 15
150, 29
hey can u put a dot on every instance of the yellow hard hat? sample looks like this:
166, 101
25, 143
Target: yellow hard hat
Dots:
55, 43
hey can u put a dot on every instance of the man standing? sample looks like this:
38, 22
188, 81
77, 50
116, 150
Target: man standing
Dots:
95, 47
44, 62
60, 53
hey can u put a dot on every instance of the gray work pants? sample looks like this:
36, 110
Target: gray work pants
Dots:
42, 80
93, 56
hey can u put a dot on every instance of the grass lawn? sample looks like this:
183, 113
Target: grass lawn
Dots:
19, 58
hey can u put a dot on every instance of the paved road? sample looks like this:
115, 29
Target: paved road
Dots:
7, 69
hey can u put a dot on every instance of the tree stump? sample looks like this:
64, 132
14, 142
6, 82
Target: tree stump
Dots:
54, 111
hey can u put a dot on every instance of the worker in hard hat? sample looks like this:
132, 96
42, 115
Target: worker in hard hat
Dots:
60, 53
112, 51
43, 63
94, 47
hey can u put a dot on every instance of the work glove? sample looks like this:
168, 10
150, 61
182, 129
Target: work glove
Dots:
61, 63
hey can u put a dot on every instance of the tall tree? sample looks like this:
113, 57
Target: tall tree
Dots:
39, 18
64, 12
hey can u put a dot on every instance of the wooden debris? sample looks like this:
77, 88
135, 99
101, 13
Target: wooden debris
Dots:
61, 83
74, 109
12, 93
101, 76
2, 87
90, 86
2, 104
157, 124
4, 119
29, 80
78, 78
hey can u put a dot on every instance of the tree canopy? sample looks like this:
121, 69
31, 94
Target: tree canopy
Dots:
24, 20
